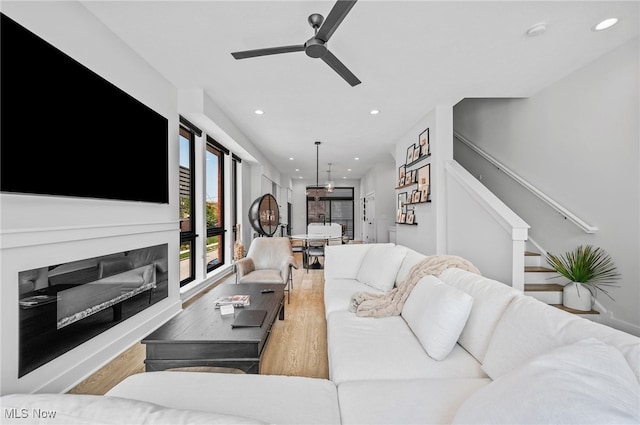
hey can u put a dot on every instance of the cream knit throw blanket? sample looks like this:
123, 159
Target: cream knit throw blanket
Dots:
390, 304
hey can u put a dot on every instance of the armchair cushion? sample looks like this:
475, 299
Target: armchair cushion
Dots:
244, 266
262, 276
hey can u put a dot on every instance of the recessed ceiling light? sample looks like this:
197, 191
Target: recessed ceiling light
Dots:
356, 158
537, 29
259, 112
344, 177
606, 24
297, 169
300, 177
374, 112
290, 158
348, 169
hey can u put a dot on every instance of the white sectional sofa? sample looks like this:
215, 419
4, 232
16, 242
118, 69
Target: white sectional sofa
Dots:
385, 375
465, 349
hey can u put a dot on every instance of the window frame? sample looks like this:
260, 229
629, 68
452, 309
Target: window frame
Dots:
327, 200
189, 236
218, 150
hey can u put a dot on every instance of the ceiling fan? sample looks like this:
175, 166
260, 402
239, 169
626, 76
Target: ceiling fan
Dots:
316, 46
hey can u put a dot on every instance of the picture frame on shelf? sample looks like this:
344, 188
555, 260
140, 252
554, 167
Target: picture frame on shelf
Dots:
399, 216
416, 152
410, 151
424, 194
424, 176
423, 142
410, 217
402, 172
402, 218
402, 201
415, 196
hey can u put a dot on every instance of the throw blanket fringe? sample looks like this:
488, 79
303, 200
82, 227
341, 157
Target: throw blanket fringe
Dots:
390, 304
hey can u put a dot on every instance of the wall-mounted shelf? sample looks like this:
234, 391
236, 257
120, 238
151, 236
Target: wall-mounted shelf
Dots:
406, 185
414, 162
417, 179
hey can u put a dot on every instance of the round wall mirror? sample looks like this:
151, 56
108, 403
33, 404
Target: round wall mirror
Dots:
264, 215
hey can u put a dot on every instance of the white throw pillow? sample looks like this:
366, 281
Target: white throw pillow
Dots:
436, 313
588, 382
380, 266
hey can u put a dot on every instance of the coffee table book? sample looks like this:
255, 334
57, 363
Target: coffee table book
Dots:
249, 319
234, 300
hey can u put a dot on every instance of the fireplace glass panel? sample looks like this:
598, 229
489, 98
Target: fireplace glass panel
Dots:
65, 305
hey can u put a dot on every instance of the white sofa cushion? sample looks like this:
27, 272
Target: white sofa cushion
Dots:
436, 313
380, 266
270, 398
338, 292
70, 409
367, 348
490, 300
530, 327
588, 382
411, 258
411, 401
343, 261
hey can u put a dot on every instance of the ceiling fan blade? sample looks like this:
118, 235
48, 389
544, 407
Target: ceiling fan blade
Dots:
335, 17
339, 67
268, 51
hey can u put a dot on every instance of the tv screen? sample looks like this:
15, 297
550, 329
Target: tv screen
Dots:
66, 131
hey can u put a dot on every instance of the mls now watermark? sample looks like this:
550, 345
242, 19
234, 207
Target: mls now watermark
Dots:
15, 413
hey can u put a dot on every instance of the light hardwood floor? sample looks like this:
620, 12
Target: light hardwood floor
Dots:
297, 345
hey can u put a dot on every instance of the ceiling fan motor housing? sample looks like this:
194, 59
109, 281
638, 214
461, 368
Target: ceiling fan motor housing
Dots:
315, 48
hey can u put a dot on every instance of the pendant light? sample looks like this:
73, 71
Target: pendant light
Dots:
329, 185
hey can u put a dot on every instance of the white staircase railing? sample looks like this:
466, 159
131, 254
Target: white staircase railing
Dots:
549, 201
482, 228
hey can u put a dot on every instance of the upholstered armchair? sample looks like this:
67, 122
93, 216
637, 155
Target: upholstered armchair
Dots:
269, 261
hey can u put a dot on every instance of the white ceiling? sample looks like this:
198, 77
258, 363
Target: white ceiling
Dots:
409, 55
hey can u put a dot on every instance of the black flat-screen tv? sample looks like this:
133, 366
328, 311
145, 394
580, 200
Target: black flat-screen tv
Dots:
66, 131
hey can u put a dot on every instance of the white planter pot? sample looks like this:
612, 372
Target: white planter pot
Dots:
577, 296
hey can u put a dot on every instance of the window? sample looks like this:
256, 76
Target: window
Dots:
187, 206
331, 207
235, 161
214, 205
202, 218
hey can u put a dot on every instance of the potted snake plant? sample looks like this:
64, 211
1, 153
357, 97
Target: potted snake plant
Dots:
588, 270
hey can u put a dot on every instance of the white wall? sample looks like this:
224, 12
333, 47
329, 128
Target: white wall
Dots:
380, 180
577, 141
420, 237
40, 230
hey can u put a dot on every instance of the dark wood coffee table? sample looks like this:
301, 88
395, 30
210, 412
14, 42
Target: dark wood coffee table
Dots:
201, 336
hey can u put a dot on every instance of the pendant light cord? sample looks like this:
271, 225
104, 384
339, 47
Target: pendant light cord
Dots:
317, 167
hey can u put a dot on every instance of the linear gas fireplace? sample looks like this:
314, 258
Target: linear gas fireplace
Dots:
65, 305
